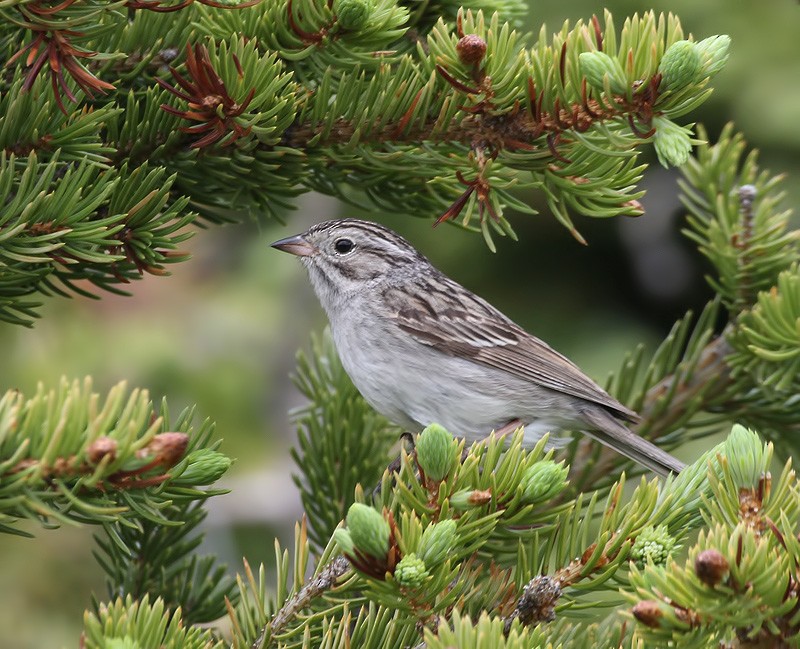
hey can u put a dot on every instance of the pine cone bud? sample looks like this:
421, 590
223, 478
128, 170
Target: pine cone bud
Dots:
352, 14
205, 467
543, 480
711, 567
680, 66
595, 66
648, 613
437, 542
435, 452
672, 142
368, 530
653, 545
411, 571
713, 53
469, 498
101, 448
471, 49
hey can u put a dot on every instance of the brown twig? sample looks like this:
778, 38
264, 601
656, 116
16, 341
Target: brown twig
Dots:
524, 126
163, 452
312, 589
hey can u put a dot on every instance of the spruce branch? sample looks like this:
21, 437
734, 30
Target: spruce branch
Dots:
54, 32
448, 567
738, 585
66, 456
736, 219
63, 224
128, 623
144, 558
698, 378
301, 95
209, 101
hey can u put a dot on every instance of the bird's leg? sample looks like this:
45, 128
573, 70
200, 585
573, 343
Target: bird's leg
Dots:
407, 442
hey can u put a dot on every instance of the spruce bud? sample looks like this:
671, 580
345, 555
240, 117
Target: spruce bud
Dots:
205, 467
713, 53
369, 530
435, 452
680, 66
711, 567
469, 498
672, 142
343, 540
101, 448
411, 571
648, 613
471, 49
596, 65
437, 542
352, 14
543, 480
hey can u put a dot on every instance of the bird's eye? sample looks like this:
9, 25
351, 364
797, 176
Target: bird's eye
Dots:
343, 246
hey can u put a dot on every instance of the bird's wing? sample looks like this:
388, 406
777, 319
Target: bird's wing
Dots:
441, 314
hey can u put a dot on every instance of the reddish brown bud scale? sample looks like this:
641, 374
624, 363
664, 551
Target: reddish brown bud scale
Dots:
711, 567
480, 497
101, 448
648, 613
166, 449
471, 49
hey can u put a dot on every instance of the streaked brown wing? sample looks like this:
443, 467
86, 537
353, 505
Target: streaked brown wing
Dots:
441, 314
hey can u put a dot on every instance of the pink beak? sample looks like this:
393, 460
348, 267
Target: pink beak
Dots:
295, 245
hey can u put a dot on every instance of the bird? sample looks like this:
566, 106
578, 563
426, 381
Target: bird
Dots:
423, 349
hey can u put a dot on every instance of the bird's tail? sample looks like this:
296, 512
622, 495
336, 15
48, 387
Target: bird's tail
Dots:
608, 430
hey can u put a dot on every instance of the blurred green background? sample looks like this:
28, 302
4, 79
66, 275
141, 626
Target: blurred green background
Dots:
222, 331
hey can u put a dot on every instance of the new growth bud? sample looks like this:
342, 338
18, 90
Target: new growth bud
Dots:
352, 14
596, 66
369, 530
205, 467
435, 452
680, 66
543, 480
471, 49
411, 571
343, 540
438, 540
672, 142
714, 53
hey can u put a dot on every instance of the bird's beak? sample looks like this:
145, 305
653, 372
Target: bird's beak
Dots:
295, 245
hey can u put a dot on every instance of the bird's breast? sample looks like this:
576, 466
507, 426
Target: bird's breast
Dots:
413, 384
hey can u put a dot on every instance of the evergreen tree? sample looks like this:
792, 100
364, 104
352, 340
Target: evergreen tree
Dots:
125, 123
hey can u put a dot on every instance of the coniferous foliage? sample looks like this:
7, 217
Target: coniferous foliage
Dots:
124, 125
